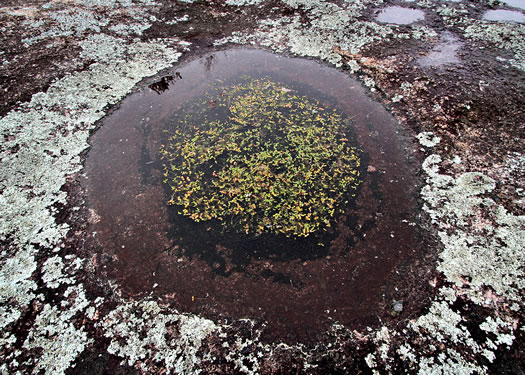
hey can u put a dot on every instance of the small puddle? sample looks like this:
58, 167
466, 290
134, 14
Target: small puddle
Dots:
443, 53
400, 15
351, 273
515, 3
504, 16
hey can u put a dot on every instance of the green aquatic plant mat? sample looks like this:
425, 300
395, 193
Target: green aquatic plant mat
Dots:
261, 158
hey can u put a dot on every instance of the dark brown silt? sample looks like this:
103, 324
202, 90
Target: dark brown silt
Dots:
296, 287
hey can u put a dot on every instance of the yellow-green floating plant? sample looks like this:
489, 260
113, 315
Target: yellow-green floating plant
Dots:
277, 162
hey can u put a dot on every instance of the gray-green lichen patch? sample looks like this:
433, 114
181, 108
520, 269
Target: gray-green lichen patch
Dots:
16, 289
428, 139
330, 26
55, 336
239, 3
482, 261
73, 104
144, 335
482, 257
446, 326
79, 18
482, 241
48, 134
54, 270
67, 23
507, 36
448, 361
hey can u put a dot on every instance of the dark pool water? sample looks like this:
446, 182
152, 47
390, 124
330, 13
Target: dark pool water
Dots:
372, 255
400, 15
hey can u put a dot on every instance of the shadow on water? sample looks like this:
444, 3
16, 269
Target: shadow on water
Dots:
196, 241
372, 254
205, 240
161, 85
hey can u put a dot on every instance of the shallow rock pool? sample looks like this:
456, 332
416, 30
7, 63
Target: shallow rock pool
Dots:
356, 272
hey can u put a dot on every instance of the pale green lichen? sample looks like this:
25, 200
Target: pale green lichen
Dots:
67, 23
481, 256
49, 133
428, 139
453, 200
407, 353
503, 333
382, 339
56, 336
81, 99
129, 29
490, 256
257, 350
443, 323
84, 17
145, 335
104, 3
370, 360
52, 272
452, 13
487, 271
240, 3
500, 329
507, 36
330, 25
448, 362
17, 289
177, 20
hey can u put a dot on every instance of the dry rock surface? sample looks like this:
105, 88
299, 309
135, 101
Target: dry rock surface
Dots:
453, 77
